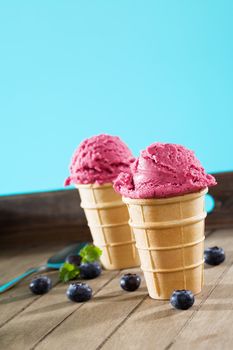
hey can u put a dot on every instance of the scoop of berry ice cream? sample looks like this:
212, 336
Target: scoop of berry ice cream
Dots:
163, 170
99, 159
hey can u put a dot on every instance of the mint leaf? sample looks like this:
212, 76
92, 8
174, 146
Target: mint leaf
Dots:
90, 253
68, 272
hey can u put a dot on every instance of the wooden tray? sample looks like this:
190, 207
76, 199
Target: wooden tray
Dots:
57, 217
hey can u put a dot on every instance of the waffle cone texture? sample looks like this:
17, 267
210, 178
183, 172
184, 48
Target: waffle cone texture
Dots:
108, 219
169, 237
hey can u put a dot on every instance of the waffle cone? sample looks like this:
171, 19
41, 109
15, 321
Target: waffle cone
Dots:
169, 236
108, 218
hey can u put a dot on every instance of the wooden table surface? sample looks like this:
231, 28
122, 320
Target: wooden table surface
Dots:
114, 319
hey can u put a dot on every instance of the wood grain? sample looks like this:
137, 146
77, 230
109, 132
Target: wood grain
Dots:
49, 216
115, 319
18, 298
155, 325
43, 316
213, 321
57, 217
98, 319
222, 215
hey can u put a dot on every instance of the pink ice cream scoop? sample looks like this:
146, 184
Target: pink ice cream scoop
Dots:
163, 170
99, 159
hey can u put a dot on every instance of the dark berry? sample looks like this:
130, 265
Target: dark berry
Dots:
74, 260
79, 292
130, 282
214, 256
90, 270
182, 299
40, 285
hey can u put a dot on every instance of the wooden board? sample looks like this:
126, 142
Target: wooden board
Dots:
115, 319
56, 216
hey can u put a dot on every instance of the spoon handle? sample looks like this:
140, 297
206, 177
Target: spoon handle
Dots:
4, 287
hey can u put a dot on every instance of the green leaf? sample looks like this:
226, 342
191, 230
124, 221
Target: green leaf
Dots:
68, 272
90, 253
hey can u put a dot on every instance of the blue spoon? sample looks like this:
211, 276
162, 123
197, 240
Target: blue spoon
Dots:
54, 262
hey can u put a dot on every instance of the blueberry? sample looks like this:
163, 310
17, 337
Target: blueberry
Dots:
182, 299
130, 282
214, 256
90, 270
74, 259
40, 285
79, 292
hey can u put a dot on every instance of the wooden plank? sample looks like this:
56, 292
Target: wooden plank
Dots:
44, 315
64, 234
155, 324
21, 298
40, 210
213, 320
222, 215
20, 260
90, 325
113, 317
18, 298
48, 216
12, 303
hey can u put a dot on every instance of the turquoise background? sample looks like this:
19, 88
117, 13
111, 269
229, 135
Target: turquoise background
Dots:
144, 70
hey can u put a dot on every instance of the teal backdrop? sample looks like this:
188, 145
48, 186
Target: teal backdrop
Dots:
144, 70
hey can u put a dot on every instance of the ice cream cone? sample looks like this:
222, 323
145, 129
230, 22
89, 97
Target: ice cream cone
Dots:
107, 218
169, 236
